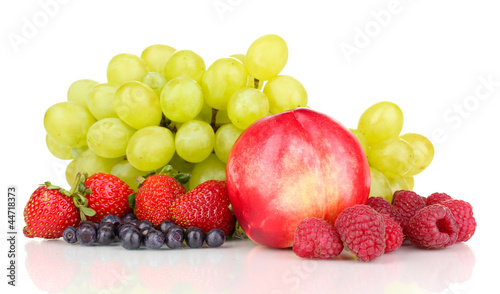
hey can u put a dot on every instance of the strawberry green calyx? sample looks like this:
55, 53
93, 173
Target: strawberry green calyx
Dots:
78, 192
168, 170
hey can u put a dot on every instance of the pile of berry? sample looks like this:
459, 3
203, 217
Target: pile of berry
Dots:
133, 233
378, 227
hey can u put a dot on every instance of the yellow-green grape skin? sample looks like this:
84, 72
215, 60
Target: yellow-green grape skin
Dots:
246, 106
240, 57
77, 91
185, 63
221, 118
68, 123
194, 141
77, 151
109, 137
393, 157
221, 80
398, 183
381, 121
57, 149
100, 100
361, 138
156, 57
423, 151
70, 172
126, 67
285, 93
155, 81
205, 114
91, 163
209, 169
127, 173
137, 105
180, 164
225, 137
266, 57
380, 186
410, 181
181, 99
150, 148
254, 83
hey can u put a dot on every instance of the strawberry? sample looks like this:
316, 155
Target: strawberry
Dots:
48, 212
206, 207
108, 194
155, 196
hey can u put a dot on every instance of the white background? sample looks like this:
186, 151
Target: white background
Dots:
429, 57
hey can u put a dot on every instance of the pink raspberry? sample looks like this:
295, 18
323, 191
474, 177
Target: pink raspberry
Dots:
363, 231
407, 203
383, 206
437, 198
462, 212
316, 238
433, 227
393, 234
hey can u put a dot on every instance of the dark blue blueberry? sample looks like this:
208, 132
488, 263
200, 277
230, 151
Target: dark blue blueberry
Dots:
128, 217
154, 239
86, 233
69, 235
215, 238
135, 222
146, 230
125, 228
105, 236
108, 226
131, 239
194, 237
164, 226
174, 239
111, 218
144, 224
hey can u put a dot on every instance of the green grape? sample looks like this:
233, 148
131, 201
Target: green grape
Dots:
194, 141
150, 148
225, 137
285, 93
246, 106
266, 57
77, 91
100, 100
381, 121
70, 172
393, 157
137, 105
423, 151
156, 56
361, 138
185, 63
380, 186
180, 164
126, 67
410, 181
222, 79
127, 173
91, 163
77, 151
240, 57
181, 99
221, 118
155, 81
57, 149
205, 114
68, 123
398, 183
254, 83
209, 169
109, 137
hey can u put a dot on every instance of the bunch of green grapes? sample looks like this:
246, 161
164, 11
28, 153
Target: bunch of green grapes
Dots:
165, 107
394, 159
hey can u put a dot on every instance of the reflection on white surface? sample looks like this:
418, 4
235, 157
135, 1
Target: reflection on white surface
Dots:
240, 267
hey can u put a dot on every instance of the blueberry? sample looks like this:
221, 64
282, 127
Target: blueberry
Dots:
105, 236
131, 239
125, 228
108, 226
164, 226
69, 235
86, 233
111, 218
128, 217
194, 237
146, 230
144, 224
174, 239
154, 239
215, 238
135, 222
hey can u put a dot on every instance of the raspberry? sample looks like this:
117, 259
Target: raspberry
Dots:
393, 234
407, 203
462, 212
316, 238
433, 227
383, 206
363, 231
437, 198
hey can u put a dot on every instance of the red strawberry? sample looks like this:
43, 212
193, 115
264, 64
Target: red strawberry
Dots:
206, 207
155, 196
108, 195
48, 212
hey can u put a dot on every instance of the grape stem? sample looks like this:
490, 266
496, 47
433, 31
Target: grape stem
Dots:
256, 83
214, 118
